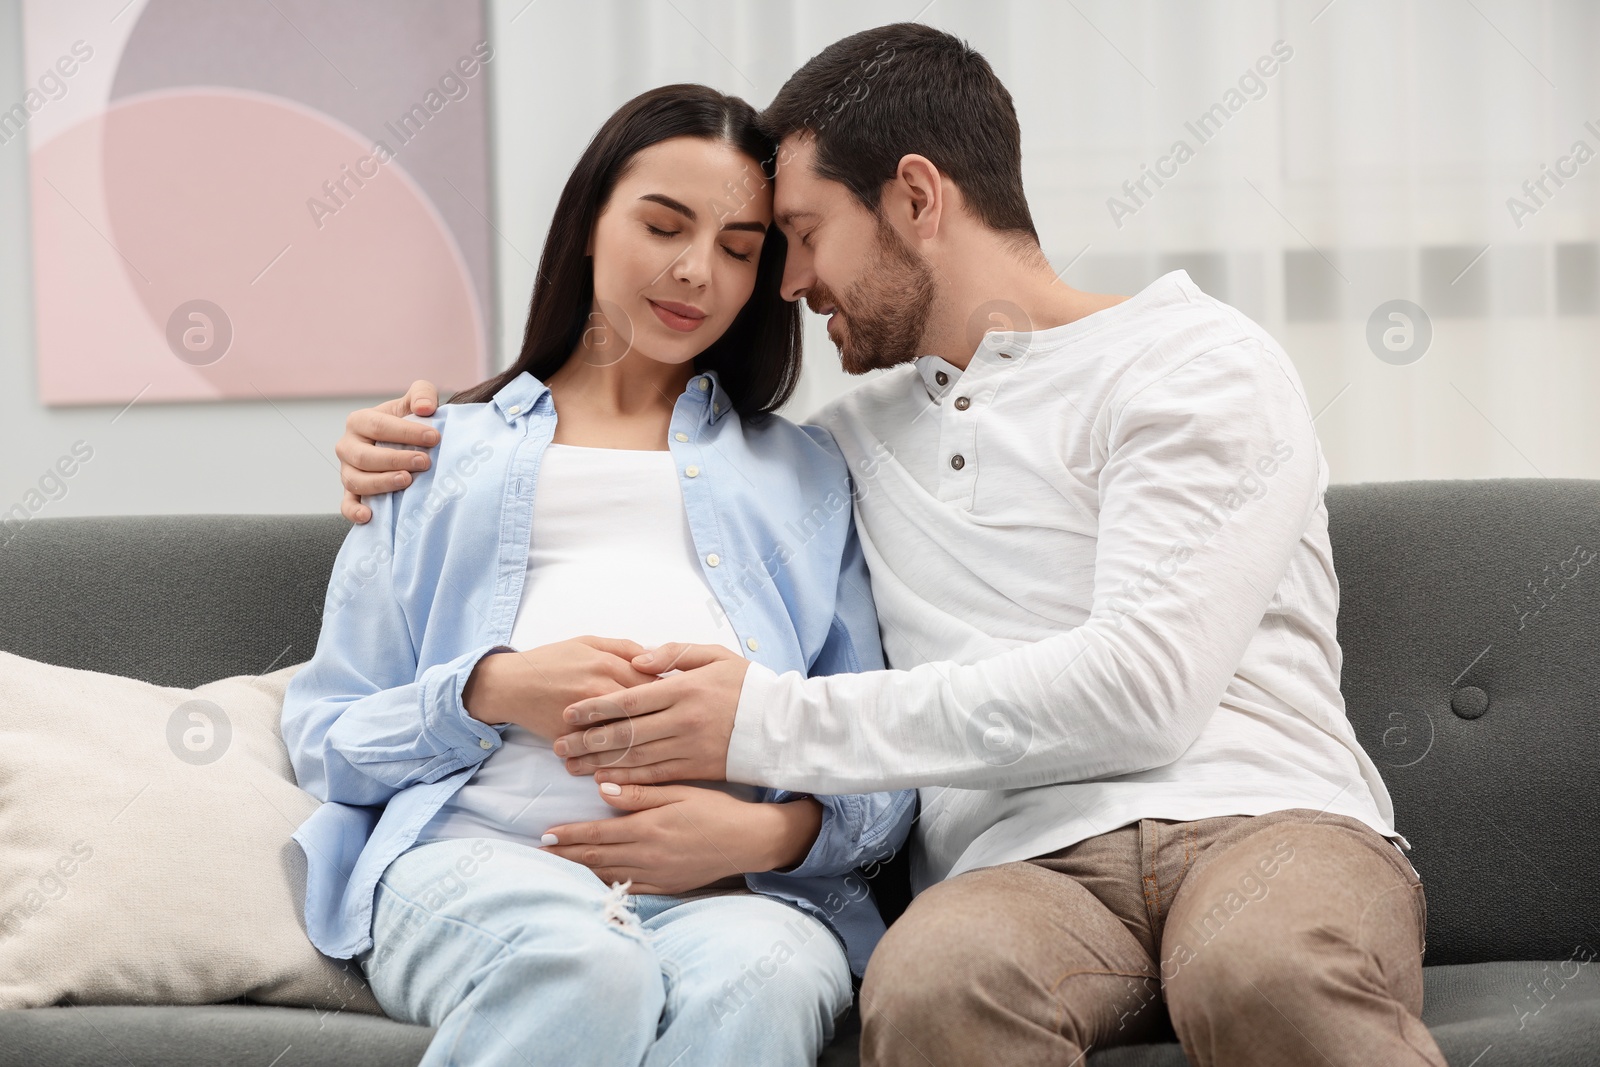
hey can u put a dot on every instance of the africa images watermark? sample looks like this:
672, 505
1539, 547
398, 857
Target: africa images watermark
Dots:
750, 579
430, 901
453, 85
52, 86
50, 487
737, 993
48, 886
1529, 1007
1536, 598
1536, 190
447, 486
1251, 485
853, 87
1252, 86
1185, 945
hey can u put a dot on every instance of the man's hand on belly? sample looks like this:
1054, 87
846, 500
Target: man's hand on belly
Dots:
674, 729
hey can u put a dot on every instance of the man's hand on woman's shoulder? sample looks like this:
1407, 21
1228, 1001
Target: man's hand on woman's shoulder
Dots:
368, 470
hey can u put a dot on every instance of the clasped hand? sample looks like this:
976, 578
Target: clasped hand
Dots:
639, 719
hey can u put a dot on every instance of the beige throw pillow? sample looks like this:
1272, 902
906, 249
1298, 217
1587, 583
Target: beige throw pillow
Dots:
144, 846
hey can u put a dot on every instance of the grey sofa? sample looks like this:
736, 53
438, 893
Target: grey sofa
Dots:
1470, 629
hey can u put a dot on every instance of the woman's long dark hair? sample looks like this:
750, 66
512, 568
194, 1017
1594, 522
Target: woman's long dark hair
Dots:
758, 358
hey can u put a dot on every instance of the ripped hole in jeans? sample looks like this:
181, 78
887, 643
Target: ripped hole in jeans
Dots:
614, 910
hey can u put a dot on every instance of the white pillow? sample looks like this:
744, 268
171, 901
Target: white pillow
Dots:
144, 846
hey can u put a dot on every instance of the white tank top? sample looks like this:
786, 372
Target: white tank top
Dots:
611, 555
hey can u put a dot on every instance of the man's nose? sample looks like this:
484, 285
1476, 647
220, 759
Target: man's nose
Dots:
797, 276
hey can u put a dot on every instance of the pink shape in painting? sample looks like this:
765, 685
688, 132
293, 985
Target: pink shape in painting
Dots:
235, 244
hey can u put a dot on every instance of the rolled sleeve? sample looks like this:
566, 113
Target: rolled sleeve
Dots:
857, 829
360, 722
446, 716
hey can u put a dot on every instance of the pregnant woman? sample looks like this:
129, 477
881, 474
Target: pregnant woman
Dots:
484, 888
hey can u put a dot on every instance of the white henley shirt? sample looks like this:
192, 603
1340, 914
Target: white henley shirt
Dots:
1103, 577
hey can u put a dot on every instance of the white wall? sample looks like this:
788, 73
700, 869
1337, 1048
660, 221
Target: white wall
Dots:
1376, 163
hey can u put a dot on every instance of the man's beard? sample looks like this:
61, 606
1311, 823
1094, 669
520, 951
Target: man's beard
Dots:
885, 313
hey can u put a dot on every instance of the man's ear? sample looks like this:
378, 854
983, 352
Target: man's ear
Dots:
922, 189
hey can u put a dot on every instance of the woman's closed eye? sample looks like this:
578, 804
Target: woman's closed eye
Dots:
655, 231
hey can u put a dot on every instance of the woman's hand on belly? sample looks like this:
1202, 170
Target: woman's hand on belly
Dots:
532, 687
676, 838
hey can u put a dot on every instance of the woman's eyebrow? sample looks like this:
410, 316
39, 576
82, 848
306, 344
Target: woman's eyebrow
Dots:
689, 213
666, 201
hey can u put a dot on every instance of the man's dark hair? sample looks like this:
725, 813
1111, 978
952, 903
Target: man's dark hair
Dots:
890, 91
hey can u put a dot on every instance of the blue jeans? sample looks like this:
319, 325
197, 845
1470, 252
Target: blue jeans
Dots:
520, 957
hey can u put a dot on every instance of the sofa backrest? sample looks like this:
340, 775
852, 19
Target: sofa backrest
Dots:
175, 600
1469, 618
1480, 706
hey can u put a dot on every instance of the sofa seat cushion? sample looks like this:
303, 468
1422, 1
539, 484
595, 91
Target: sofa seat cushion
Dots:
1472, 1006
1469, 1007
209, 1035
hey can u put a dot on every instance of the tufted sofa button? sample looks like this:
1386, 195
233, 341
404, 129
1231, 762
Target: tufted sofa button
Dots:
1469, 702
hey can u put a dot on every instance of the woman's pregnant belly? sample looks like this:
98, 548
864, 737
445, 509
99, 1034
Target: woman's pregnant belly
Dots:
612, 555
523, 789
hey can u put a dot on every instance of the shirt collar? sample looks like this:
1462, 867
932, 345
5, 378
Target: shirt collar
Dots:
707, 388
519, 396
524, 392
938, 376
1000, 348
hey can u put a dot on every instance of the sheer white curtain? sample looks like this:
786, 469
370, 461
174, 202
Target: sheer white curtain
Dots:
1339, 156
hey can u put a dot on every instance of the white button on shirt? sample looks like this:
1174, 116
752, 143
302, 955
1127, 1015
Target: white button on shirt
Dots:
1119, 604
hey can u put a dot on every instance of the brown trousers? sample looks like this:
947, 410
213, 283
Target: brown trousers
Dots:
1294, 937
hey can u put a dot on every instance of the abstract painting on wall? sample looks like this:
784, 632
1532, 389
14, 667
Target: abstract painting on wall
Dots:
247, 200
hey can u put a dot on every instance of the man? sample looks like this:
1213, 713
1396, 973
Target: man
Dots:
1100, 557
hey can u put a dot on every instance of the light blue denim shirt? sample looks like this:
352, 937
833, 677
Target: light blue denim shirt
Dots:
374, 723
